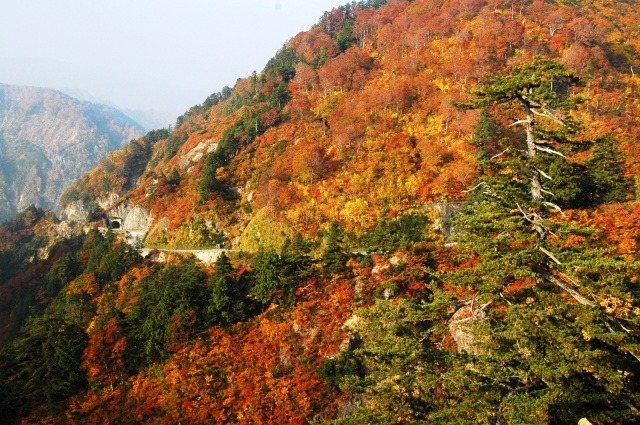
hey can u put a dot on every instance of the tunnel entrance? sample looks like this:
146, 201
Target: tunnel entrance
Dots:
115, 222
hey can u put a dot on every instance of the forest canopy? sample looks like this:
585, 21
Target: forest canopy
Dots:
431, 215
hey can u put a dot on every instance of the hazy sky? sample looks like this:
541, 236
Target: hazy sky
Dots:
166, 55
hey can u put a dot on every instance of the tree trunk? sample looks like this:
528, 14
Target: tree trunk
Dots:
536, 186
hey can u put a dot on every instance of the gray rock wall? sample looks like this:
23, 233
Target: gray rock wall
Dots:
134, 217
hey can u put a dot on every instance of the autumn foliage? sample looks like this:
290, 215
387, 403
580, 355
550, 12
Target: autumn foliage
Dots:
351, 138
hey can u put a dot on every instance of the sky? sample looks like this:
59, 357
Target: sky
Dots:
162, 55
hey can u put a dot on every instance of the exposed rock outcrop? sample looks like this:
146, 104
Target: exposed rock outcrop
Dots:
461, 328
196, 154
75, 211
79, 211
444, 212
132, 217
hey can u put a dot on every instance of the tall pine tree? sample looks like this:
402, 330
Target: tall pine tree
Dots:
229, 300
549, 348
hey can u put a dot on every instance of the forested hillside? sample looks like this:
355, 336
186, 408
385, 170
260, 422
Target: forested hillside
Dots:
431, 210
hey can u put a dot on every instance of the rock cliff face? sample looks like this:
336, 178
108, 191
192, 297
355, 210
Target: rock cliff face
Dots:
75, 211
80, 211
48, 140
127, 216
133, 217
443, 213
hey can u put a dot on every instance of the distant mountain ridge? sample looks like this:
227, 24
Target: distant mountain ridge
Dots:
149, 119
48, 140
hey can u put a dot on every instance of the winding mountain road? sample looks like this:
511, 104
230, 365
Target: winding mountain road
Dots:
206, 256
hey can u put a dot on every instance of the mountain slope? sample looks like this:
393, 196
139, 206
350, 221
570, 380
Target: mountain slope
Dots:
355, 114
344, 300
48, 140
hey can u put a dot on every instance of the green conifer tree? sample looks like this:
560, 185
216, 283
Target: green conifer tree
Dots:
265, 275
172, 301
487, 136
607, 170
45, 363
333, 257
209, 181
546, 333
297, 265
228, 301
547, 349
